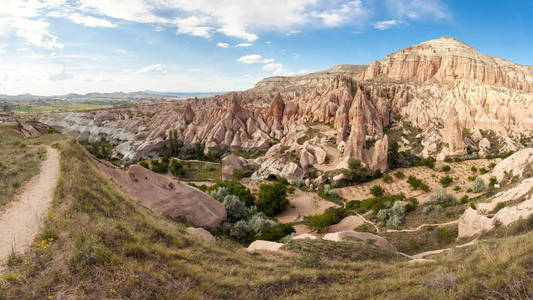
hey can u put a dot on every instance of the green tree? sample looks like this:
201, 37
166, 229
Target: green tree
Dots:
355, 172
272, 198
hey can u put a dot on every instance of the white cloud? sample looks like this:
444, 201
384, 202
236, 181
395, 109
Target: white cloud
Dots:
61, 76
223, 45
36, 33
250, 59
244, 45
254, 58
193, 26
268, 42
304, 71
90, 21
382, 25
344, 14
277, 69
158, 68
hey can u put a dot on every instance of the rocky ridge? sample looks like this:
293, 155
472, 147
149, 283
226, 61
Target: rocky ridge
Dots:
462, 101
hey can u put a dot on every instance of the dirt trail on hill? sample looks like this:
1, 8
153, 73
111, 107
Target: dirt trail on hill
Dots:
21, 219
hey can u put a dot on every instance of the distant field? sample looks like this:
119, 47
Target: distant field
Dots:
73, 107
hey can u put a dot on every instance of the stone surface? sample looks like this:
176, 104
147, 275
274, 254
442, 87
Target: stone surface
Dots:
173, 199
264, 245
304, 236
364, 236
516, 165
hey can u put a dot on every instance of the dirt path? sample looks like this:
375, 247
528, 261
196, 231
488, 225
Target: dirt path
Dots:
422, 226
22, 218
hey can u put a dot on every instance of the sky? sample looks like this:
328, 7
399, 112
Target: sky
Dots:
55, 47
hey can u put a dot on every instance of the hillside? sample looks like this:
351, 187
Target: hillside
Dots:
101, 244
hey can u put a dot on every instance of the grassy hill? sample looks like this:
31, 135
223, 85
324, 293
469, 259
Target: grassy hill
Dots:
97, 243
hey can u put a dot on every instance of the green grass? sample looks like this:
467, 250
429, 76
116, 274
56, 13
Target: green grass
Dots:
58, 108
425, 239
197, 171
108, 246
19, 162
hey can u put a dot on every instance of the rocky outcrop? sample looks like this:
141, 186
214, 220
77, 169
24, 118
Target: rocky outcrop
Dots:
265, 246
447, 60
233, 162
168, 197
514, 166
453, 135
363, 236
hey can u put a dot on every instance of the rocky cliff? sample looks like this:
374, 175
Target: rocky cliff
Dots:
440, 98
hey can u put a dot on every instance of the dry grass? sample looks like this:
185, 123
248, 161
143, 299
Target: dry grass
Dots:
18, 163
108, 246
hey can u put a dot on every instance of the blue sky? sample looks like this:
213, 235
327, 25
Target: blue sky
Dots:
52, 47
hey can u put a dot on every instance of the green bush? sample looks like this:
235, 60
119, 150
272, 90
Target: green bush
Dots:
457, 188
446, 181
159, 167
329, 217
473, 169
272, 198
237, 189
176, 168
416, 184
478, 186
275, 233
377, 191
239, 174
472, 205
355, 172
464, 199
387, 179
399, 175
483, 171
445, 168
411, 205
353, 205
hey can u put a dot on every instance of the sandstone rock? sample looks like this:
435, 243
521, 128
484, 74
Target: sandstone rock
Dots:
516, 165
364, 236
201, 234
472, 223
264, 245
168, 197
447, 59
304, 236
452, 134
277, 107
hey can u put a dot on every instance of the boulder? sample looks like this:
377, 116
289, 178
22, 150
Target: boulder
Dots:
516, 165
171, 198
264, 245
201, 234
472, 223
364, 236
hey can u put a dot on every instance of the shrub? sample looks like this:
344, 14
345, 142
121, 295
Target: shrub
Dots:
446, 181
427, 209
444, 235
492, 182
240, 174
355, 172
377, 191
237, 189
176, 168
387, 179
472, 205
399, 175
272, 198
441, 197
144, 164
236, 209
457, 188
353, 205
445, 168
329, 217
392, 217
483, 171
478, 186
411, 205
474, 169
416, 183
464, 199
275, 233
159, 167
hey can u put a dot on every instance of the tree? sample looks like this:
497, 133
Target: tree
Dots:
237, 189
355, 172
272, 198
176, 168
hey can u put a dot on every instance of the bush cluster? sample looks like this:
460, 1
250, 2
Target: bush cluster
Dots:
442, 198
416, 184
329, 217
159, 166
446, 181
176, 168
392, 217
273, 198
